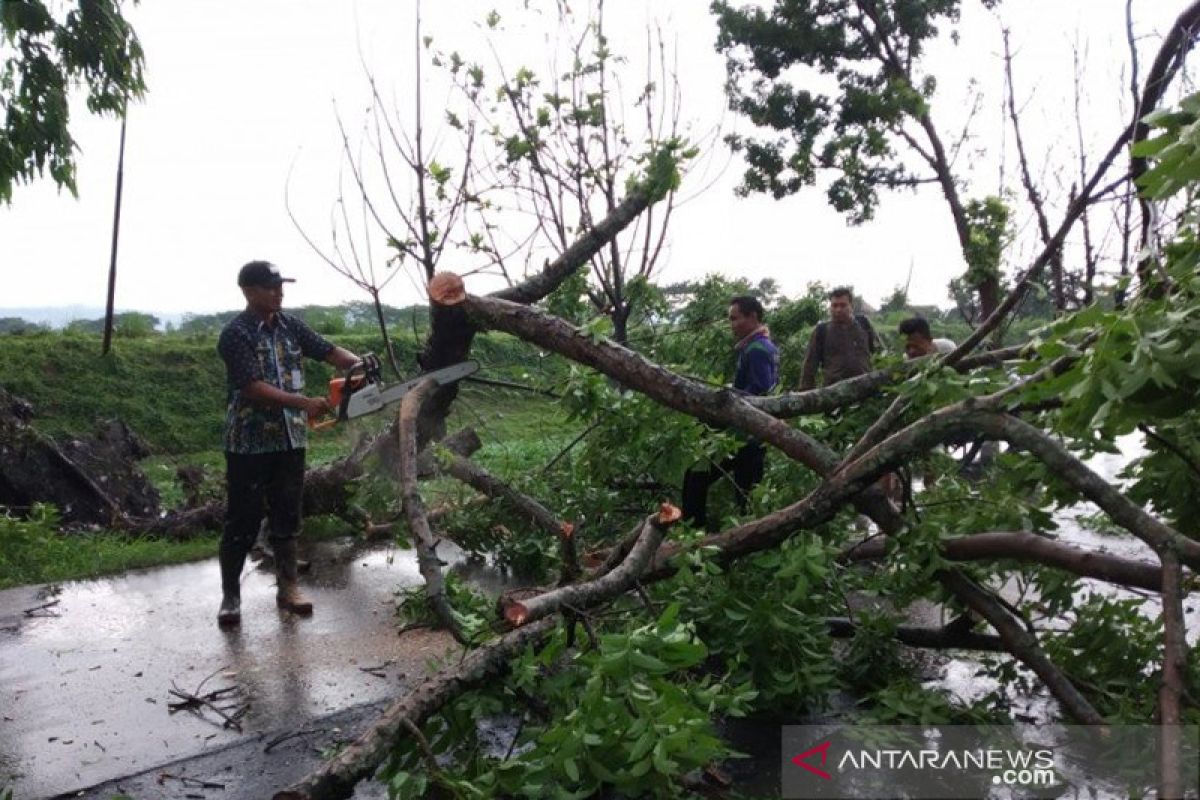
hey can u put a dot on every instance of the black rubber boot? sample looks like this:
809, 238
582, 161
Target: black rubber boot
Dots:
288, 596
231, 560
230, 613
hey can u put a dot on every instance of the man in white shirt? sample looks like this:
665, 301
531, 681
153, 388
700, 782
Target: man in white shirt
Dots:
919, 341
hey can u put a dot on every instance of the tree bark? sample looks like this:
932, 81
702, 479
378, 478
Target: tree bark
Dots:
1032, 548
1174, 672
337, 778
414, 510
1022, 644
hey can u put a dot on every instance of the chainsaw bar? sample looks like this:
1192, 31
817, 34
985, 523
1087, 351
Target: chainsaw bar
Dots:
375, 396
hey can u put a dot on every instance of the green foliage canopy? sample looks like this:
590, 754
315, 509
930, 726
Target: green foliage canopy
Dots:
869, 50
47, 50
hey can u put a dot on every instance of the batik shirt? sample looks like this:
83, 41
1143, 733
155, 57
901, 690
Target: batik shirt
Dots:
252, 351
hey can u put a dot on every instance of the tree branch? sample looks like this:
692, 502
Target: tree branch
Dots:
1031, 548
1174, 671
1022, 644
536, 287
944, 638
614, 583
483, 481
414, 509
859, 388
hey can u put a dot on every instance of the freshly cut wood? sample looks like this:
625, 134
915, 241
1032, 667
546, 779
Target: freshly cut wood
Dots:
446, 289
616, 582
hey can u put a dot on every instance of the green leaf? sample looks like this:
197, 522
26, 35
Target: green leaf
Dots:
642, 746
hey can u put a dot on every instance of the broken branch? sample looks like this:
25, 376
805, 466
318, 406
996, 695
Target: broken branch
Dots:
414, 510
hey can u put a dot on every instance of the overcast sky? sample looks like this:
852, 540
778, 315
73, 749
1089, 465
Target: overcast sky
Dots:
242, 91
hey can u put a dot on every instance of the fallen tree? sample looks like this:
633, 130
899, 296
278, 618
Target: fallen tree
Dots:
1044, 438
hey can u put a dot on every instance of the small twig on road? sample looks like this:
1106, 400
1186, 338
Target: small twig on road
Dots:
189, 783
209, 677
194, 703
33, 612
283, 737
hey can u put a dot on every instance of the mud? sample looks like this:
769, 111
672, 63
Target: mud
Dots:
87, 478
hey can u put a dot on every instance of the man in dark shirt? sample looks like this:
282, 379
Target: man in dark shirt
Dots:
840, 348
757, 373
266, 432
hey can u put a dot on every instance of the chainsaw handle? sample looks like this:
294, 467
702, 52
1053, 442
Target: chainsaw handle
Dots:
366, 370
320, 423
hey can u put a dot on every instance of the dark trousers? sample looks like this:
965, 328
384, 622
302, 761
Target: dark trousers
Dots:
746, 466
256, 483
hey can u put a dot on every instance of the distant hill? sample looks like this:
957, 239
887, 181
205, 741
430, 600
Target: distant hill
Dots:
61, 316
327, 319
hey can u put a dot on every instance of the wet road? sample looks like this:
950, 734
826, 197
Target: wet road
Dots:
85, 684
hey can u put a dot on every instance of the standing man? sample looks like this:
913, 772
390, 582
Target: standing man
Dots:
265, 432
919, 341
756, 373
840, 348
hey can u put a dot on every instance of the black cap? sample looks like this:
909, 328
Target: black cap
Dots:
261, 273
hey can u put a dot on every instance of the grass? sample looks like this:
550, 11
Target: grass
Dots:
521, 433
170, 389
36, 552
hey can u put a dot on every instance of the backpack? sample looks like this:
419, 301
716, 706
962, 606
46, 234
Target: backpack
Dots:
873, 344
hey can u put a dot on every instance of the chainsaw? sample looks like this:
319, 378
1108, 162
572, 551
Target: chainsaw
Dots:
362, 390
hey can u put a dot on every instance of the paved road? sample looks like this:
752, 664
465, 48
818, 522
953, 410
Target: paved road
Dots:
84, 684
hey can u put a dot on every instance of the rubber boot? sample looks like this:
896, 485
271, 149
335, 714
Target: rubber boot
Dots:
230, 613
288, 596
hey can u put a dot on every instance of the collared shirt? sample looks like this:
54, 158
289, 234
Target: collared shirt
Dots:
252, 351
757, 369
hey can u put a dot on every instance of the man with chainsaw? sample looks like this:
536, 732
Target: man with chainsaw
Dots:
265, 432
